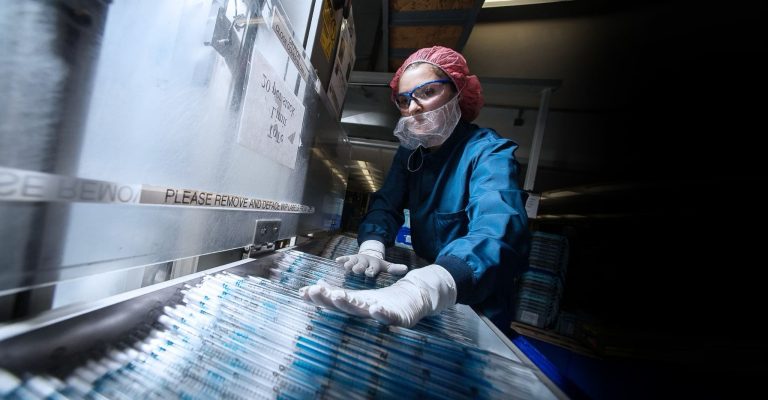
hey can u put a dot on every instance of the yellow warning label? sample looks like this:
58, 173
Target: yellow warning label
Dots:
328, 32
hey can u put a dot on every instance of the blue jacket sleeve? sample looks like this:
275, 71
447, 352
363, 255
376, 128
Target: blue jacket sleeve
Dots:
496, 245
385, 212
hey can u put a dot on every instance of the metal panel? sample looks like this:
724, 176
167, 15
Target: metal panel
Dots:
152, 93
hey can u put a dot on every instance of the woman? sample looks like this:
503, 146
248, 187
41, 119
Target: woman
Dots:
460, 183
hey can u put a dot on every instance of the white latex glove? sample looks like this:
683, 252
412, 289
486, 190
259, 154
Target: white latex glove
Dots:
421, 292
370, 259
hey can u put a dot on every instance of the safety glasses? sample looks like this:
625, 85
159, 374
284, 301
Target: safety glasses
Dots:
423, 94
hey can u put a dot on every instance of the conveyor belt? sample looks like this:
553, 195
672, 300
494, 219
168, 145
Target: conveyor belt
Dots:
235, 335
338, 245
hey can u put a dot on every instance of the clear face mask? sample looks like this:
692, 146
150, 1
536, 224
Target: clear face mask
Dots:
429, 129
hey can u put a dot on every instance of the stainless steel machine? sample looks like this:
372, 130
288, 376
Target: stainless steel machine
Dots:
171, 172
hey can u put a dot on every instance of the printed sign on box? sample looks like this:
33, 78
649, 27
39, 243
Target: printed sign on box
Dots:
342, 68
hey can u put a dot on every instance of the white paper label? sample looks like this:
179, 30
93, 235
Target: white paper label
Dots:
295, 53
200, 198
31, 186
529, 318
272, 115
532, 205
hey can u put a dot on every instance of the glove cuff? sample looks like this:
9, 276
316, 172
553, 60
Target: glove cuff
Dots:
437, 282
372, 248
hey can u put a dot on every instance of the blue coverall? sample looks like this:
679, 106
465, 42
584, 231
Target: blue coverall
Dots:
467, 214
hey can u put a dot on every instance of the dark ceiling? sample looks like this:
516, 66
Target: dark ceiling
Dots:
639, 83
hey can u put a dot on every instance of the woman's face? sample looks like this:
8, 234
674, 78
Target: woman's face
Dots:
416, 96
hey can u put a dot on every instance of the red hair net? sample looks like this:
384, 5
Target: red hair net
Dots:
455, 66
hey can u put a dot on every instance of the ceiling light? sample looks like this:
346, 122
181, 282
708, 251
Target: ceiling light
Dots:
558, 194
504, 3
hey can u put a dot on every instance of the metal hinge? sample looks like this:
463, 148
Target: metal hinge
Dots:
265, 236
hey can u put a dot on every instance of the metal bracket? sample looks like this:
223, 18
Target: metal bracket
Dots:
265, 236
225, 41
